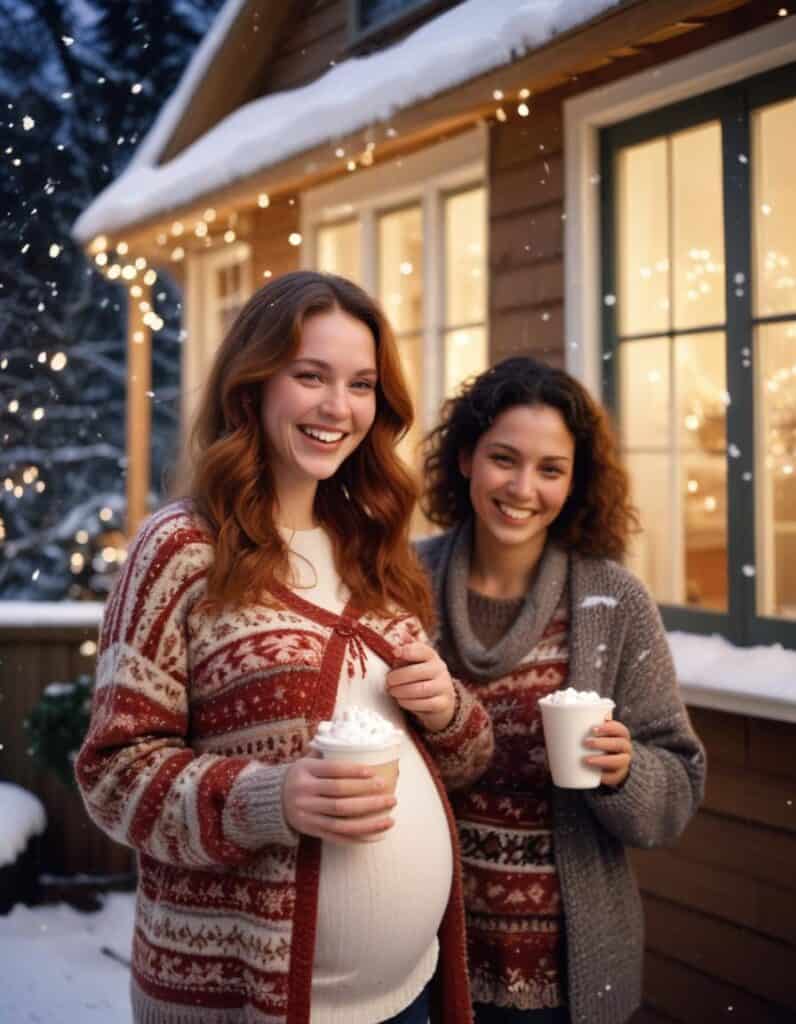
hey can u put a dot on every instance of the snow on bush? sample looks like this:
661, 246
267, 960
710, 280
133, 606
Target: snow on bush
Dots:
23, 817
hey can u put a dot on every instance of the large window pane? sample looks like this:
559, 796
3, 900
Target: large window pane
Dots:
774, 208
465, 263
339, 250
401, 267
697, 209
643, 238
400, 239
651, 551
465, 356
674, 439
410, 349
775, 402
700, 396
644, 389
701, 374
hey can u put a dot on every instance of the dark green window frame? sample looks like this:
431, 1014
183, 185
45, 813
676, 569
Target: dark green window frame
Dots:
732, 107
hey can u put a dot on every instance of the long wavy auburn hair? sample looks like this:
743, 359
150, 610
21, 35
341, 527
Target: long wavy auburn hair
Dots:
365, 506
597, 518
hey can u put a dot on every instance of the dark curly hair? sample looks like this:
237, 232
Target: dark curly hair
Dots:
597, 518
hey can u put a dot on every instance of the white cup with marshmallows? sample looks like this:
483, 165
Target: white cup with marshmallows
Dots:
361, 736
568, 717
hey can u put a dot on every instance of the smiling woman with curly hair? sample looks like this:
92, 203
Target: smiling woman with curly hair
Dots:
524, 473
597, 517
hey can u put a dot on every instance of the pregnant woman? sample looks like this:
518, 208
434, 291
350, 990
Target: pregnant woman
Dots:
523, 473
282, 591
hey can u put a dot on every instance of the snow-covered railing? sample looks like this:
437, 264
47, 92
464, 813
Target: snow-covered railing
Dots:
713, 673
50, 614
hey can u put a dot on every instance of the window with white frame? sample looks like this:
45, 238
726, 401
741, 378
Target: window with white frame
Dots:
699, 350
218, 286
414, 234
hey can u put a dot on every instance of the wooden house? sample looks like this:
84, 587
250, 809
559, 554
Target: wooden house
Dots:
609, 186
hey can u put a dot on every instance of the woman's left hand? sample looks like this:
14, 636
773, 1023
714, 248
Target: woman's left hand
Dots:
613, 739
423, 686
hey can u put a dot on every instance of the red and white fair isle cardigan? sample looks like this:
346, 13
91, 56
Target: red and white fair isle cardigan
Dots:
196, 718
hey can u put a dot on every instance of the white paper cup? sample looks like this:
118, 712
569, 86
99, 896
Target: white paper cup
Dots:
566, 726
383, 760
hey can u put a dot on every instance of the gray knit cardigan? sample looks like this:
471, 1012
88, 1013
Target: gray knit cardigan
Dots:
617, 646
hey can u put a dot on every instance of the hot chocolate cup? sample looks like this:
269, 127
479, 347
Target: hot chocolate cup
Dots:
566, 726
383, 760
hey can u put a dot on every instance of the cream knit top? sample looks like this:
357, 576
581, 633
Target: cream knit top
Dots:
380, 904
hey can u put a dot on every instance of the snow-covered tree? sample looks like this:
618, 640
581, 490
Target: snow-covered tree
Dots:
80, 83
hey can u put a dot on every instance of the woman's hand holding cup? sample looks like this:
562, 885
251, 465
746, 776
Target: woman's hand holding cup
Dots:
336, 801
613, 751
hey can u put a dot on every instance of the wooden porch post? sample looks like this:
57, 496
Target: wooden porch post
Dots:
139, 413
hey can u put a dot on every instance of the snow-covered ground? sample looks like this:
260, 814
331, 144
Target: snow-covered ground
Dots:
53, 970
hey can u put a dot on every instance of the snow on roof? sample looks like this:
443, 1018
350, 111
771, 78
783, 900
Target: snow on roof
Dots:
22, 815
468, 40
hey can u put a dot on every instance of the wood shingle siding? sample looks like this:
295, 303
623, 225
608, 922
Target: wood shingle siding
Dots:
526, 258
308, 47
269, 234
720, 906
30, 659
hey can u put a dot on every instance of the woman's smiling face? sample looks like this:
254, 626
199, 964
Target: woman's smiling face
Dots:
520, 476
319, 407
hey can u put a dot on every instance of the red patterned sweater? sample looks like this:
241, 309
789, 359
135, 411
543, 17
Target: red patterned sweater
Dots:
196, 718
511, 886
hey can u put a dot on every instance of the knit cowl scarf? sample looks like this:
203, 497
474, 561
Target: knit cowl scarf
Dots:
459, 646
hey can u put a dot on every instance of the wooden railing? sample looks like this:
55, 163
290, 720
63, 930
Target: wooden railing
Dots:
41, 644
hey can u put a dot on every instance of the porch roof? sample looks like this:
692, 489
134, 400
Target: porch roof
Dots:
469, 40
